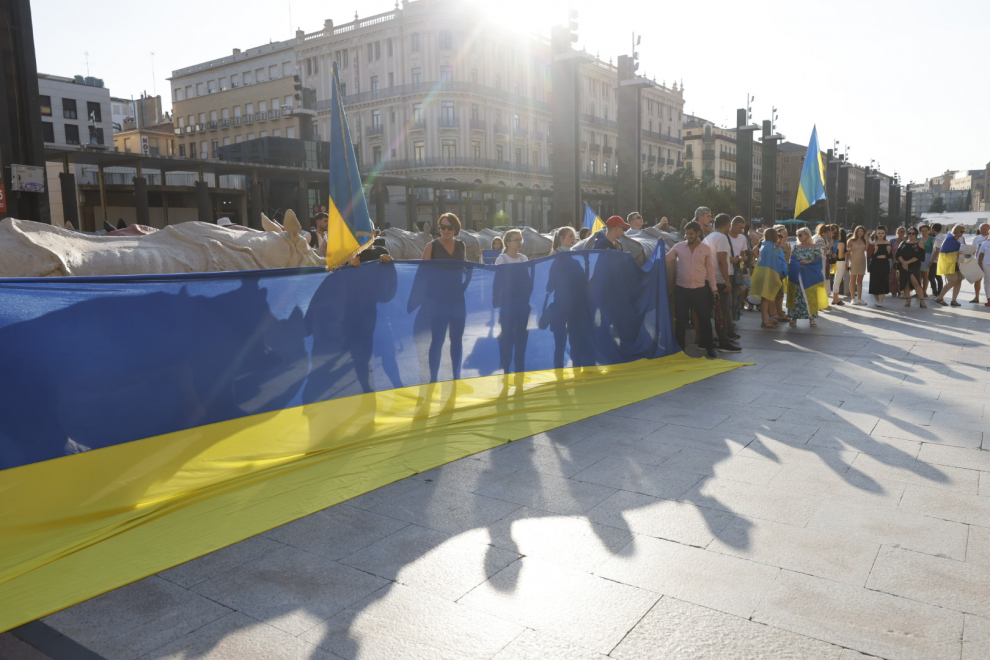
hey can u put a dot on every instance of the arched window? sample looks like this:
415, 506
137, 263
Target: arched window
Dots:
415, 42
446, 40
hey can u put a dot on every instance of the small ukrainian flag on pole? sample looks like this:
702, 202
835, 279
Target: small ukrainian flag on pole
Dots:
591, 219
812, 185
349, 226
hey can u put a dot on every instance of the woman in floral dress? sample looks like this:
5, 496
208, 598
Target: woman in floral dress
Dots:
804, 252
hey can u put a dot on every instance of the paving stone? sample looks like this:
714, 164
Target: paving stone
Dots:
799, 401
978, 549
860, 619
638, 478
239, 636
432, 561
664, 519
470, 474
689, 417
335, 532
12, 648
558, 461
715, 464
209, 566
945, 436
861, 441
984, 486
535, 645
548, 492
973, 420
614, 426
851, 486
693, 438
838, 557
702, 577
373, 498
906, 470
970, 459
135, 619
976, 638
445, 509
677, 630
648, 450
937, 503
568, 541
849, 654
290, 589
795, 450
586, 610
403, 622
753, 501
901, 529
955, 585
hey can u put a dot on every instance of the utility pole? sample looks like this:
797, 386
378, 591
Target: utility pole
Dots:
565, 132
744, 159
629, 182
768, 193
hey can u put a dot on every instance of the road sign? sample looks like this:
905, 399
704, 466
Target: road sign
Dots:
3, 199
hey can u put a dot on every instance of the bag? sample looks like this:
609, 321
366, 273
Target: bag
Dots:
736, 279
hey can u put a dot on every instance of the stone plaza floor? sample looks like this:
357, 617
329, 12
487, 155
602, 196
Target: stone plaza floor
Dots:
830, 501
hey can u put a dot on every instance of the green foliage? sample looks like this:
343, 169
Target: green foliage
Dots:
938, 205
856, 213
677, 195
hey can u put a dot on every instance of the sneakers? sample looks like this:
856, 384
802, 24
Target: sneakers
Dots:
711, 353
858, 301
729, 348
734, 337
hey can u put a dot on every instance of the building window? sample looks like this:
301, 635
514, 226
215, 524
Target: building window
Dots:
69, 110
446, 74
448, 148
374, 83
215, 144
392, 116
95, 135
391, 79
127, 145
71, 134
446, 40
347, 58
371, 52
474, 76
417, 75
536, 158
94, 112
498, 83
277, 132
476, 150
415, 42
343, 90
376, 118
192, 149
418, 113
238, 139
519, 158
46, 107
591, 166
290, 132
475, 113
376, 154
182, 151
499, 153
378, 50
515, 122
388, 47
419, 150
48, 131
447, 113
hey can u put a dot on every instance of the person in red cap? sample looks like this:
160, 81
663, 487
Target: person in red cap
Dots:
608, 238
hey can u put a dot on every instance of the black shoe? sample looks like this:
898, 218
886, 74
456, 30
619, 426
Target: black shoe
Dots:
729, 348
711, 353
734, 337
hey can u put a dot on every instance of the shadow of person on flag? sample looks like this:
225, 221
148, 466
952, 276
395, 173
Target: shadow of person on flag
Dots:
568, 314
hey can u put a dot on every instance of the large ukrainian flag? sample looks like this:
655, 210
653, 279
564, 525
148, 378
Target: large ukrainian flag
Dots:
349, 227
766, 281
591, 219
812, 185
807, 280
948, 256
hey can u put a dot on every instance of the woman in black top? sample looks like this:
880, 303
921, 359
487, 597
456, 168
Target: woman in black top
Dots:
880, 266
910, 254
445, 295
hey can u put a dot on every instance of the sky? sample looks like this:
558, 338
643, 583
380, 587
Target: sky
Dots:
903, 83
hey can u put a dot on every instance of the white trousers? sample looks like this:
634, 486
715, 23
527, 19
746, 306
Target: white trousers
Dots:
840, 275
986, 278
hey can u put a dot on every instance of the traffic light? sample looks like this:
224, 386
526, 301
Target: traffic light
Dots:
297, 85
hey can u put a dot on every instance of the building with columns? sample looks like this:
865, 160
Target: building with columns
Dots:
433, 92
710, 154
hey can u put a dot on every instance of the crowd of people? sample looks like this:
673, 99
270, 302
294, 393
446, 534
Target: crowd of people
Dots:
726, 266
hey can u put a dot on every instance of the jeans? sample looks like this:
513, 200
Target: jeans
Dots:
727, 327
698, 300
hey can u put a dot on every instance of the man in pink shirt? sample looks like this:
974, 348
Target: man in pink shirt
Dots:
695, 266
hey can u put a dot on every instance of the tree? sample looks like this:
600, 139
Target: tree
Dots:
678, 194
856, 213
938, 205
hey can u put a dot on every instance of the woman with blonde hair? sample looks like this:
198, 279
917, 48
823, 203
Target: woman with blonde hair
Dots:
510, 253
563, 240
766, 281
856, 248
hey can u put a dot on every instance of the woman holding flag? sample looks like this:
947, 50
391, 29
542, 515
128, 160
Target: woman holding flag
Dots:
765, 283
948, 265
806, 290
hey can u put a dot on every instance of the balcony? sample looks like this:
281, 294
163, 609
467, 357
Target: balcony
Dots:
372, 131
670, 161
437, 87
708, 154
669, 139
212, 125
417, 124
188, 130
607, 150
236, 121
449, 122
522, 133
725, 155
179, 131
478, 124
727, 175
501, 129
652, 159
224, 123
261, 116
273, 114
596, 148
708, 175
598, 121
248, 119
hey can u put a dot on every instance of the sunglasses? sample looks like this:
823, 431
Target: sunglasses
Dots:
912, 233
446, 227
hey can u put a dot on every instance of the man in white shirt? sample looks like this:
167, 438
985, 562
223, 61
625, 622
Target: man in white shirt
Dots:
718, 241
980, 239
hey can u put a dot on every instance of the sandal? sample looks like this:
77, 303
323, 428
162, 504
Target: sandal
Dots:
793, 323
955, 304
772, 324
814, 323
941, 302
923, 305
